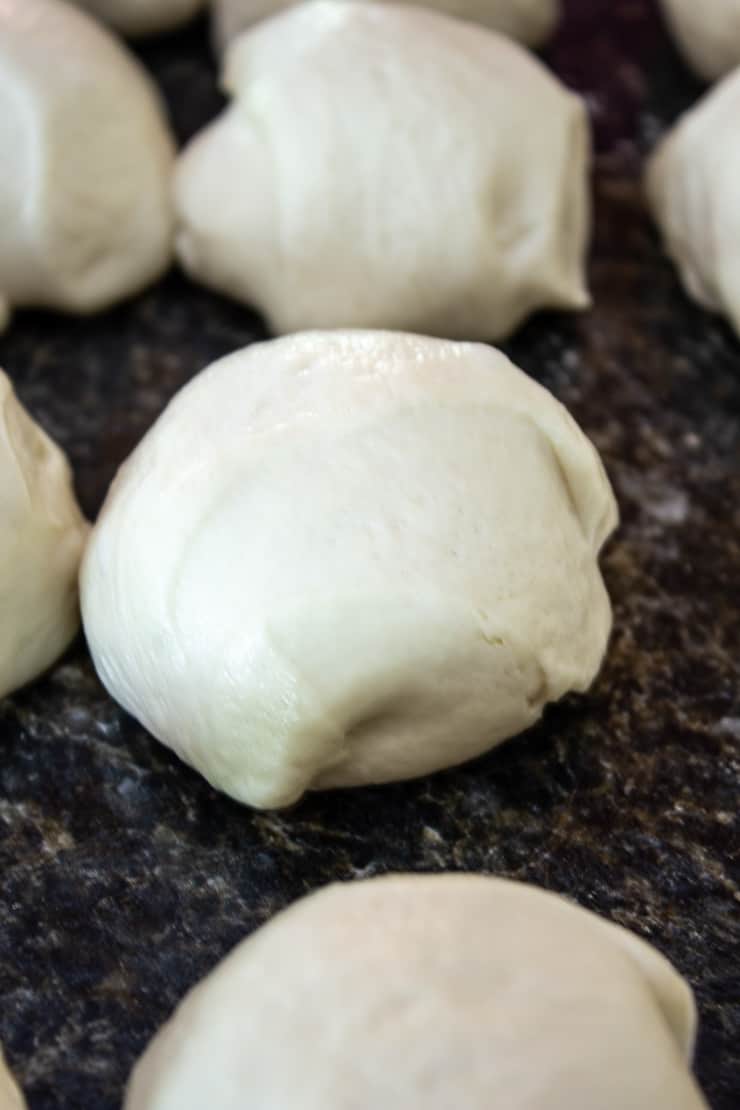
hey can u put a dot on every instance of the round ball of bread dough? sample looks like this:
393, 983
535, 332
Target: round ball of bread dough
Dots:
530, 21
87, 159
693, 182
433, 180
43, 535
707, 32
349, 558
426, 993
143, 17
10, 1096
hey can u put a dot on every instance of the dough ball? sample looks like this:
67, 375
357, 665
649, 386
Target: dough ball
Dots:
693, 181
349, 558
426, 993
87, 159
707, 32
530, 21
143, 17
43, 536
10, 1096
433, 180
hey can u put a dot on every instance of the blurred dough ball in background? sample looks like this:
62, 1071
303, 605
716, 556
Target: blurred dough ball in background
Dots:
415, 992
707, 33
693, 185
42, 536
530, 21
143, 17
87, 159
10, 1096
386, 166
346, 558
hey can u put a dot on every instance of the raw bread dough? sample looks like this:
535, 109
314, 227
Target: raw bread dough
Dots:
43, 534
434, 178
10, 1097
530, 21
85, 189
693, 181
708, 33
143, 17
426, 993
347, 558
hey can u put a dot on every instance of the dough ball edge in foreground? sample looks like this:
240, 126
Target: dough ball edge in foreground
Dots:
430, 991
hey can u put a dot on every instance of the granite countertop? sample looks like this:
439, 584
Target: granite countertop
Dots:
124, 877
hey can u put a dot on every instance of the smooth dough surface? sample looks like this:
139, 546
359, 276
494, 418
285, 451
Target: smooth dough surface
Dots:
425, 993
43, 534
85, 193
143, 17
344, 558
693, 183
707, 32
10, 1096
357, 211
530, 21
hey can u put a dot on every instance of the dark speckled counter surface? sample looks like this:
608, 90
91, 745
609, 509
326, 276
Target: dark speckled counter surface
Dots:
124, 877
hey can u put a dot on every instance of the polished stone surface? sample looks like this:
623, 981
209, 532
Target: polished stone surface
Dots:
124, 877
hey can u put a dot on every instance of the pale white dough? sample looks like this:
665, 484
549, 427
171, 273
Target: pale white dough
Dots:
10, 1096
427, 993
529, 21
85, 190
43, 534
143, 17
344, 558
693, 182
386, 166
707, 32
